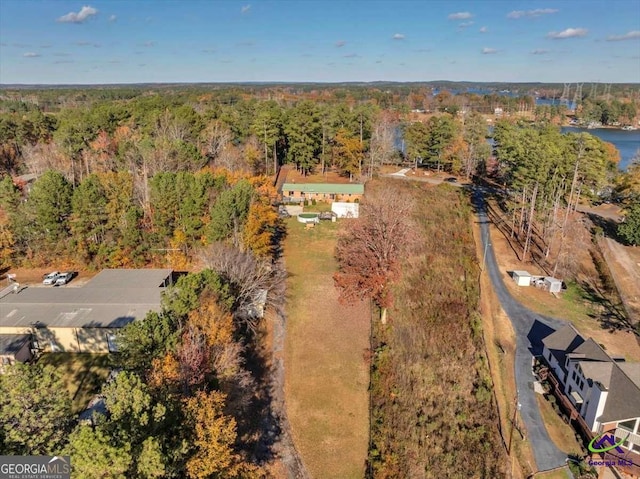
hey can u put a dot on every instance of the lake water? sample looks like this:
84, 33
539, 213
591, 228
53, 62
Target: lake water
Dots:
627, 142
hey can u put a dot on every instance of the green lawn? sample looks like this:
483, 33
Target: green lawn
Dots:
83, 374
326, 373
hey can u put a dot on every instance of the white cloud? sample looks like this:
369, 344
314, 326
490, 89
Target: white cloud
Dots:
489, 51
113, 18
245, 9
31, 55
539, 51
340, 43
568, 33
465, 24
460, 16
627, 36
398, 36
531, 13
483, 30
84, 13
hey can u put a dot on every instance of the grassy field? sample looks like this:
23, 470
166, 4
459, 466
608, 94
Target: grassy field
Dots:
560, 432
83, 374
327, 376
434, 414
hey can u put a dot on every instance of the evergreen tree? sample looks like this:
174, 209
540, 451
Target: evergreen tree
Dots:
35, 410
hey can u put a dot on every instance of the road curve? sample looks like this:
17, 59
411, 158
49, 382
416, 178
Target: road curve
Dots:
529, 328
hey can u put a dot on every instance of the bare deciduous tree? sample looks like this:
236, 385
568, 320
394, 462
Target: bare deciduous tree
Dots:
255, 281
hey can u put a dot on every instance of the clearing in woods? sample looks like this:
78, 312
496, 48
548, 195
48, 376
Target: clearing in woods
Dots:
326, 374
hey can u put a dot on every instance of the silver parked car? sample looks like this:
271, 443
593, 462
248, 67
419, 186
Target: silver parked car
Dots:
50, 278
63, 278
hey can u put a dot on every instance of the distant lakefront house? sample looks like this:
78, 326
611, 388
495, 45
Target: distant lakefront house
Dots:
604, 390
82, 319
298, 192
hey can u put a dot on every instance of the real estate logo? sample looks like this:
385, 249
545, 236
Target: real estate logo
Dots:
35, 467
597, 444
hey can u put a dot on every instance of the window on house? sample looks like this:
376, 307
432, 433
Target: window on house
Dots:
291, 193
628, 425
112, 342
573, 376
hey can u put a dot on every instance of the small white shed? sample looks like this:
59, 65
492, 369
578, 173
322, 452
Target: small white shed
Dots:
345, 210
522, 278
553, 285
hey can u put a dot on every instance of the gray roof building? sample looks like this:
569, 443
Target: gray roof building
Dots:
111, 299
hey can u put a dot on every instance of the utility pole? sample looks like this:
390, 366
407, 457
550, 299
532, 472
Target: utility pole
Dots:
516, 407
484, 255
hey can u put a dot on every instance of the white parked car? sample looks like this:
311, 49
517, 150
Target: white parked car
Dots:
50, 278
63, 278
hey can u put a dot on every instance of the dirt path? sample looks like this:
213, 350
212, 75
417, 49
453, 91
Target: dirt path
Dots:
285, 448
626, 274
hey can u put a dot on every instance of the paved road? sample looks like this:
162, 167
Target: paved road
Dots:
530, 328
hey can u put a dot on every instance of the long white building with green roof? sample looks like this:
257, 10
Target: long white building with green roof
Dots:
298, 192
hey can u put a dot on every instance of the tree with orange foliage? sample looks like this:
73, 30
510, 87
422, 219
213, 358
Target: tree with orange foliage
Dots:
369, 248
455, 153
214, 437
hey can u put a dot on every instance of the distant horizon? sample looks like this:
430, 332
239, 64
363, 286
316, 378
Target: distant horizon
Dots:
328, 83
106, 42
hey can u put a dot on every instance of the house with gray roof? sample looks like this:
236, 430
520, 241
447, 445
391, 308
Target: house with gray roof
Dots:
605, 390
84, 319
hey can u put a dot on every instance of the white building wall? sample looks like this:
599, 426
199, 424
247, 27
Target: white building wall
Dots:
345, 210
553, 362
597, 402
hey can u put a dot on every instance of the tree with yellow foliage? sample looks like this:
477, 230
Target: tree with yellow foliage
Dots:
260, 229
213, 439
348, 152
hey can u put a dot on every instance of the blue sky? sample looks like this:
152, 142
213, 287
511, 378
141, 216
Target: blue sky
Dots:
128, 41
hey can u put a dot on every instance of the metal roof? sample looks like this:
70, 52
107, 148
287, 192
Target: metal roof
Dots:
325, 188
129, 278
112, 298
12, 343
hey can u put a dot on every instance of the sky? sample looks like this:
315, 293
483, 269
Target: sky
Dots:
158, 41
